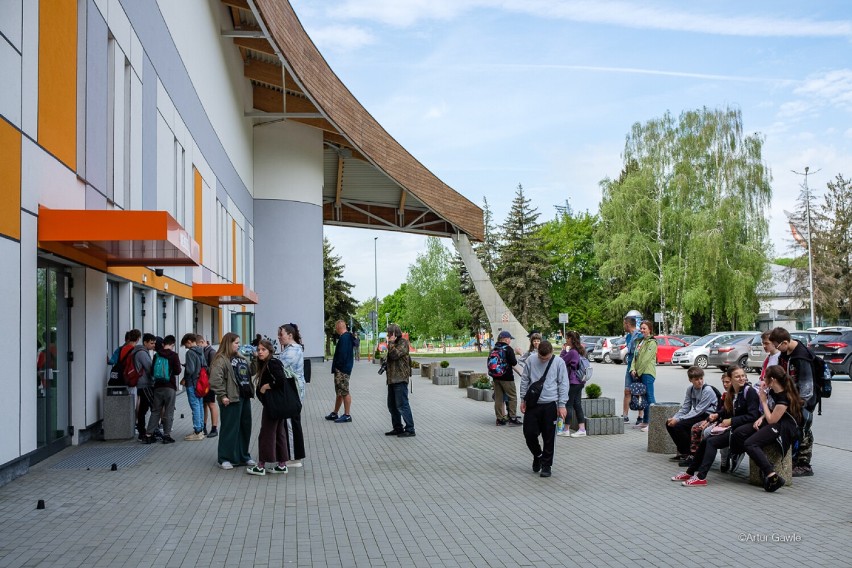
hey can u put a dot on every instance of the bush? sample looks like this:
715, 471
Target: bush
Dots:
593, 391
445, 364
483, 383
415, 364
377, 354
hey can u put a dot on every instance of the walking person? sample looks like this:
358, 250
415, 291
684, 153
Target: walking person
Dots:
274, 387
398, 374
211, 408
571, 356
195, 362
341, 368
229, 371
292, 356
546, 375
644, 368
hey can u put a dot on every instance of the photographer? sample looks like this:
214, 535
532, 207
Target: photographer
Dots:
397, 366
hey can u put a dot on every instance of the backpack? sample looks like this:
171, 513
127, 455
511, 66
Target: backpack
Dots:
638, 394
822, 377
718, 396
497, 364
584, 370
161, 371
243, 377
116, 374
131, 373
202, 382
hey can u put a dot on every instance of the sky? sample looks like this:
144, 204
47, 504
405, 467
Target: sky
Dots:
488, 94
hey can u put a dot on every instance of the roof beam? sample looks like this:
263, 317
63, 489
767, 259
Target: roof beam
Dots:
255, 44
287, 115
339, 182
241, 4
241, 33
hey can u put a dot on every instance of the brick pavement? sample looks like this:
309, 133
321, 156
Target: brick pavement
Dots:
364, 499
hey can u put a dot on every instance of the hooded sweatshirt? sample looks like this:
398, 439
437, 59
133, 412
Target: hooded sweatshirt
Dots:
195, 359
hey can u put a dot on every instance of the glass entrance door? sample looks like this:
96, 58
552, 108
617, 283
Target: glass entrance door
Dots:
52, 330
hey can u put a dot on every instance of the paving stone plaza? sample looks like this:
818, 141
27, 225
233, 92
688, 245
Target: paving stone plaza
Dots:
461, 493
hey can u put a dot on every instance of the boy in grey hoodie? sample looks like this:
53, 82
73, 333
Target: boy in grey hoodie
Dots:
195, 361
698, 403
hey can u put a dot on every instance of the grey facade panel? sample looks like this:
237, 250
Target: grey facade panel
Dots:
153, 33
222, 193
94, 199
288, 270
149, 136
97, 77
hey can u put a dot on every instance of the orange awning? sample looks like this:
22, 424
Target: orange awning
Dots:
120, 238
217, 294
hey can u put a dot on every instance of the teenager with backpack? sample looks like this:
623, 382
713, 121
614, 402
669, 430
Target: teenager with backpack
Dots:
165, 370
502, 363
571, 355
196, 363
210, 407
742, 407
141, 355
702, 429
798, 361
698, 403
292, 356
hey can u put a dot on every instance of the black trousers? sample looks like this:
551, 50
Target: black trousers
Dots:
540, 420
146, 400
296, 440
682, 431
706, 453
782, 433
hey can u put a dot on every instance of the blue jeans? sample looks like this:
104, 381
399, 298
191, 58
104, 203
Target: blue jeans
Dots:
196, 404
399, 408
648, 381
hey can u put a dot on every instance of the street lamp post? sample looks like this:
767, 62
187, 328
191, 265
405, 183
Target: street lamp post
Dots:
376, 274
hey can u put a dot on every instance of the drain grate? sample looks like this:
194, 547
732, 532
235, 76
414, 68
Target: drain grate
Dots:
103, 458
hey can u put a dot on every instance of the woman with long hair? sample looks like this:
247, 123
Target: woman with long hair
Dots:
644, 368
292, 356
781, 414
272, 443
535, 339
572, 351
228, 375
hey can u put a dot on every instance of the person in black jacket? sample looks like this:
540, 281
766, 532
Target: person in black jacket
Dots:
272, 440
741, 409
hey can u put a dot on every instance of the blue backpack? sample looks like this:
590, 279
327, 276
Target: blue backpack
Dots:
161, 372
497, 364
638, 393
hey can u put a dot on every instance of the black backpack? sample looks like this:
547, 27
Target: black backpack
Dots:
822, 377
718, 396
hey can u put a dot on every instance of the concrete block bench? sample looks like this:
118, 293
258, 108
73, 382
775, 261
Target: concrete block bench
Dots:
465, 379
783, 466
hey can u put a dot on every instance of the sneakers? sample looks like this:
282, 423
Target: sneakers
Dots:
278, 469
213, 433
682, 476
515, 421
545, 471
250, 462
393, 433
736, 460
332, 416
626, 419
536, 464
406, 434
694, 482
726, 465
564, 433
226, 465
294, 463
194, 437
644, 428
168, 439
802, 471
637, 426
686, 462
678, 457
501, 422
773, 483
254, 470
578, 434
342, 418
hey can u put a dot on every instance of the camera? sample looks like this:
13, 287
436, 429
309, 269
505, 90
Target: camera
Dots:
383, 366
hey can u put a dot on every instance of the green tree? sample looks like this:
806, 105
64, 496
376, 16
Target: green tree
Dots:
339, 303
433, 304
683, 229
522, 272
474, 313
487, 250
575, 286
838, 207
394, 304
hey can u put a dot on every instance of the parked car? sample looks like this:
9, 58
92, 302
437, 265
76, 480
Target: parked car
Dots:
601, 351
618, 349
818, 330
756, 354
589, 342
698, 352
732, 351
836, 348
666, 346
688, 339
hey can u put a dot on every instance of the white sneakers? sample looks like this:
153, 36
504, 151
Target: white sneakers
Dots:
194, 437
294, 463
226, 465
579, 434
564, 433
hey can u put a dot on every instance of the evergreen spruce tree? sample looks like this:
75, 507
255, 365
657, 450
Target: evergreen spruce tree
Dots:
838, 206
486, 251
521, 274
339, 303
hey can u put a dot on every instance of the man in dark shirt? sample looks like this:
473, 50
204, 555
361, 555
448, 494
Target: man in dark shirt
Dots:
165, 389
504, 384
341, 368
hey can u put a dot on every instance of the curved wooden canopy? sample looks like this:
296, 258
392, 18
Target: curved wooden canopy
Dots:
291, 80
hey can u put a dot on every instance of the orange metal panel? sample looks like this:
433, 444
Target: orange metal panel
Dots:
148, 277
121, 238
57, 79
10, 180
224, 293
198, 214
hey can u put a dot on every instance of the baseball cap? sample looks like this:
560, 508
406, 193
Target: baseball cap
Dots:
504, 335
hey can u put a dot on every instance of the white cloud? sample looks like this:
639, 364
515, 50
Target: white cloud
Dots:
340, 37
832, 88
435, 112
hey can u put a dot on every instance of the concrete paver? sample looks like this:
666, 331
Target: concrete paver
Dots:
461, 493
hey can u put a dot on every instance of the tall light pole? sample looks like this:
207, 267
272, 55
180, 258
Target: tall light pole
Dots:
810, 249
376, 268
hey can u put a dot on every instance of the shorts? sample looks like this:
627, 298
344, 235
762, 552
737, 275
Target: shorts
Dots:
341, 384
210, 397
627, 379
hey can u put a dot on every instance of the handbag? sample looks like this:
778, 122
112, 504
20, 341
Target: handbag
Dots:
534, 392
282, 400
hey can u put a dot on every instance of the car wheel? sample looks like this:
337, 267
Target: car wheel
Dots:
607, 358
743, 362
685, 366
701, 361
617, 362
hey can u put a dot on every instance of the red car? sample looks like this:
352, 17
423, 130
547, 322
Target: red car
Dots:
666, 346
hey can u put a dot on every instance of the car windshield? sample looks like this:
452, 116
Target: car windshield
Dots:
701, 341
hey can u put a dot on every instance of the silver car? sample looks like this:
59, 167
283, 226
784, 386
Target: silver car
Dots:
756, 354
602, 349
733, 351
698, 352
